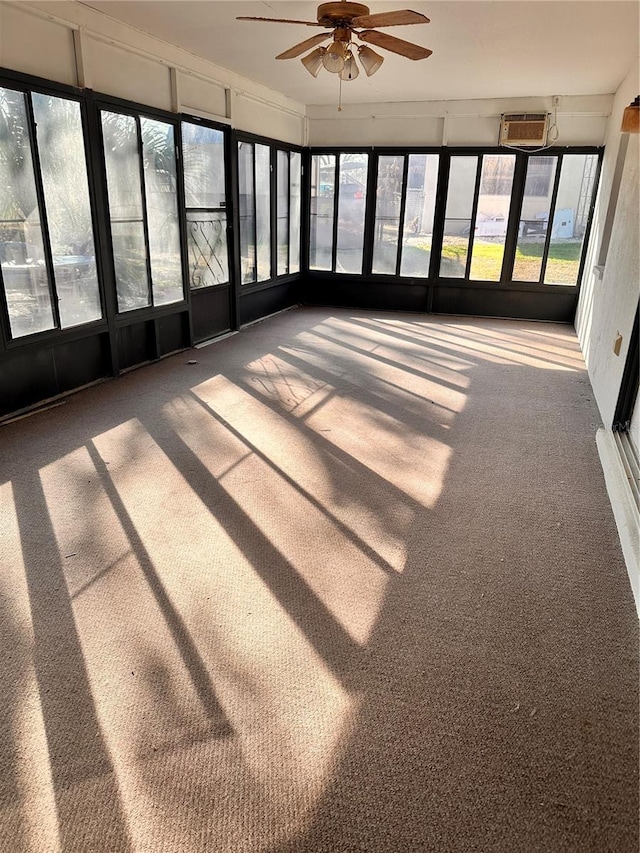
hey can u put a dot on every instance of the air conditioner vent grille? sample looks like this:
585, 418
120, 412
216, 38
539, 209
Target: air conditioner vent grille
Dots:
524, 129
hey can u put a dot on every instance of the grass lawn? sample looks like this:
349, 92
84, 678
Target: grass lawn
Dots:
562, 264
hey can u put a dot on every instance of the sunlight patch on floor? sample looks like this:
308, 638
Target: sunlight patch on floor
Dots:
371, 515
260, 665
343, 576
487, 351
517, 343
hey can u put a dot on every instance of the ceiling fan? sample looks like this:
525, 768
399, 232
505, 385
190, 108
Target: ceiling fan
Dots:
348, 20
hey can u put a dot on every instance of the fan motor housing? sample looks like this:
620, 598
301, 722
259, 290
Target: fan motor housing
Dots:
339, 14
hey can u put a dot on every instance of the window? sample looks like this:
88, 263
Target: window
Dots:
254, 187
540, 172
205, 200
534, 218
386, 229
419, 211
323, 181
282, 212
572, 209
405, 206
288, 207
338, 205
458, 216
47, 254
352, 201
477, 216
140, 163
552, 227
473, 225
497, 174
492, 217
295, 209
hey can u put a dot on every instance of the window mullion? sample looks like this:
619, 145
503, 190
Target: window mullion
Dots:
44, 224
474, 213
254, 203
439, 215
145, 222
402, 214
288, 225
373, 169
336, 195
552, 212
513, 224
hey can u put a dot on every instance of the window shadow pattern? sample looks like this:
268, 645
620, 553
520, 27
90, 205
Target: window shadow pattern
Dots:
489, 701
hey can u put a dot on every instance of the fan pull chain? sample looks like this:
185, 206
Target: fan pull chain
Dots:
340, 95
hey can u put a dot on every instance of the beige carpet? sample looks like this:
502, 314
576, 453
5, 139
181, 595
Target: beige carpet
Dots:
349, 583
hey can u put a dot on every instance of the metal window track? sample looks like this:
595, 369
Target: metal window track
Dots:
630, 463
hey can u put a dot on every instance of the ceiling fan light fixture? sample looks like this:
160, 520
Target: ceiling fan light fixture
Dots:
350, 70
313, 61
370, 60
334, 57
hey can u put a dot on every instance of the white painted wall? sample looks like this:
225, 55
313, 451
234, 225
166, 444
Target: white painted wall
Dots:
70, 43
608, 300
581, 120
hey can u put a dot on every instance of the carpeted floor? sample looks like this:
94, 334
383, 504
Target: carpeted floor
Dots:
349, 583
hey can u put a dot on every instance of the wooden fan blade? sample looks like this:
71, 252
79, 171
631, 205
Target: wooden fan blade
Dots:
282, 21
390, 19
404, 48
298, 49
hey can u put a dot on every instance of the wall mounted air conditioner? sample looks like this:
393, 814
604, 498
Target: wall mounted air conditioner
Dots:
524, 129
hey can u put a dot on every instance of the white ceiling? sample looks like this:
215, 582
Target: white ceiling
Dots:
480, 49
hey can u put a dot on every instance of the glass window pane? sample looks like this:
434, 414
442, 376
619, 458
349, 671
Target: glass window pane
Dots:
492, 216
417, 234
22, 257
352, 202
203, 159
323, 172
207, 246
282, 204
534, 218
66, 192
457, 223
246, 212
204, 182
263, 211
570, 217
159, 155
295, 207
387, 221
125, 209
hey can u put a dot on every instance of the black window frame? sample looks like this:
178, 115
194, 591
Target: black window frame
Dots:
559, 154
138, 111
367, 245
186, 118
434, 278
406, 153
280, 149
274, 145
28, 85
